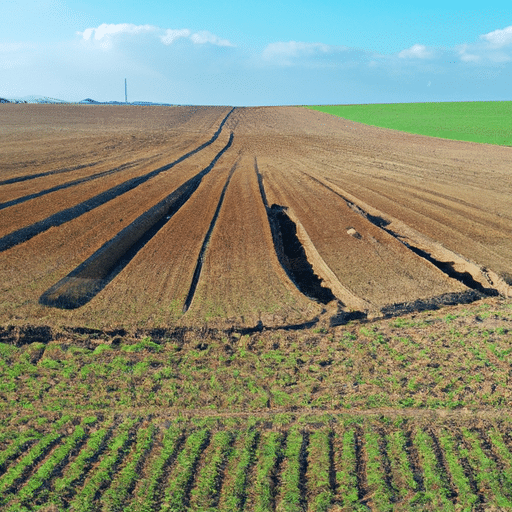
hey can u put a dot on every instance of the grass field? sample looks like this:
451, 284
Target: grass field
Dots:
407, 413
489, 122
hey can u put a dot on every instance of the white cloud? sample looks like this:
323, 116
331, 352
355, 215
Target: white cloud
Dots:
107, 30
499, 38
172, 35
492, 48
105, 33
207, 37
417, 51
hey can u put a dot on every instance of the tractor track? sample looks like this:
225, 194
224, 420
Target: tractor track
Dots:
89, 278
57, 219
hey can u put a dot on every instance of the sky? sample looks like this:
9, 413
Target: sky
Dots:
257, 52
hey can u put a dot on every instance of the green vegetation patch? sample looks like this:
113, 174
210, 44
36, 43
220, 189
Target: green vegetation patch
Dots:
315, 463
488, 122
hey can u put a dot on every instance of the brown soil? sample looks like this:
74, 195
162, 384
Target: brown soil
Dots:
389, 222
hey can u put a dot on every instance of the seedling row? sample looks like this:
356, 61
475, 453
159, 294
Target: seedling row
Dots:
343, 462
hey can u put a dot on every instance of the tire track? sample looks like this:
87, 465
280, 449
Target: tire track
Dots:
204, 247
89, 278
19, 179
28, 232
69, 184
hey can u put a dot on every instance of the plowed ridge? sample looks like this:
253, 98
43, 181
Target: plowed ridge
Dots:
320, 219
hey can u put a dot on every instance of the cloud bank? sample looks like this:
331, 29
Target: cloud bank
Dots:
166, 36
182, 65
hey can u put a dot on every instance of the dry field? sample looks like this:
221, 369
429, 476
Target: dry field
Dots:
245, 217
261, 309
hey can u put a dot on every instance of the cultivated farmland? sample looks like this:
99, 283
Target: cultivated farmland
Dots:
241, 217
261, 309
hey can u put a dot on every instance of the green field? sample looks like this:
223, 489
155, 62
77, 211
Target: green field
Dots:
284, 463
398, 414
487, 122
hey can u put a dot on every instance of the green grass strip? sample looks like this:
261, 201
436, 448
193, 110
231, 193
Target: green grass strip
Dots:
206, 491
17, 446
45, 471
183, 472
478, 121
235, 492
436, 490
486, 472
268, 454
102, 476
290, 478
114, 497
400, 466
320, 494
15, 473
346, 479
466, 497
375, 476
76, 469
146, 493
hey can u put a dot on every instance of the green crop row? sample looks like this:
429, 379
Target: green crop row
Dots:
206, 465
235, 489
45, 471
269, 453
206, 493
115, 496
183, 472
102, 476
147, 493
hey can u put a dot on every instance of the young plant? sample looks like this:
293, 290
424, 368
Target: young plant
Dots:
375, 473
102, 477
234, 492
290, 496
269, 453
486, 472
46, 470
346, 471
466, 497
206, 492
400, 466
319, 487
183, 472
114, 497
436, 489
147, 492
14, 476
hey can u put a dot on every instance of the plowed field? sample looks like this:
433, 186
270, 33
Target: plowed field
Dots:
249, 217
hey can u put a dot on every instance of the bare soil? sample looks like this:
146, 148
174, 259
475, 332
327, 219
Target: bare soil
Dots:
387, 222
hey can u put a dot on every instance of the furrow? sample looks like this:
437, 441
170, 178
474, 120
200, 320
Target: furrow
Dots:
69, 184
22, 235
204, 247
300, 258
89, 278
19, 179
483, 281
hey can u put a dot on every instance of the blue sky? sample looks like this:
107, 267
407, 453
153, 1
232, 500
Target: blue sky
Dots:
256, 52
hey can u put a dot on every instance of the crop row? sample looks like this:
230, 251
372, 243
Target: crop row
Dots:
136, 464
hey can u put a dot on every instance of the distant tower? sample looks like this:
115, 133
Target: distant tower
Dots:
125, 92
